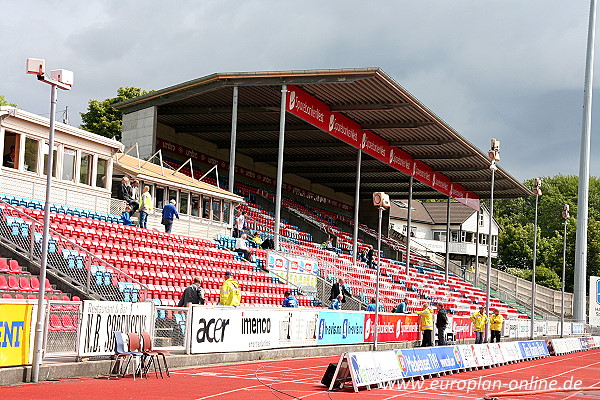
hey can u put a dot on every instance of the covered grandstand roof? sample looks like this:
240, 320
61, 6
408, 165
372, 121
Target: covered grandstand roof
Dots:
203, 107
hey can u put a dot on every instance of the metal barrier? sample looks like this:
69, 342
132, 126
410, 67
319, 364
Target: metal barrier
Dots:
171, 328
77, 266
62, 328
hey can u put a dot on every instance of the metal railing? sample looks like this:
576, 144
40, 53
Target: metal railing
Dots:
75, 266
171, 328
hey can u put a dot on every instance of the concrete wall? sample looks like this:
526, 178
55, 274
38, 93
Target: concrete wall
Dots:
140, 127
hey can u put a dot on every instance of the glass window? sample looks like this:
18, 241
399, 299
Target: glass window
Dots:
54, 159
439, 235
160, 197
494, 243
195, 211
85, 168
31, 154
469, 238
101, 173
68, 164
226, 211
454, 236
463, 236
11, 150
481, 219
483, 238
183, 202
216, 216
206, 207
172, 195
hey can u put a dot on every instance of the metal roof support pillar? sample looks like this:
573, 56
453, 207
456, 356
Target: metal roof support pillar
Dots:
280, 166
234, 112
579, 289
476, 280
447, 260
356, 207
409, 223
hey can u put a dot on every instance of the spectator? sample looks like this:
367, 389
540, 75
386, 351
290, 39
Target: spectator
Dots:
126, 216
240, 225
145, 206
268, 244
496, 321
125, 193
231, 294
479, 321
441, 322
241, 247
257, 239
135, 190
290, 300
339, 288
193, 294
370, 257
402, 307
336, 303
426, 315
9, 158
169, 212
372, 306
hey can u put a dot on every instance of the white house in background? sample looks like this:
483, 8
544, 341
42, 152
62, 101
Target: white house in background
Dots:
428, 227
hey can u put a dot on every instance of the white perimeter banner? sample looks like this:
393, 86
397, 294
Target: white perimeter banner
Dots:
226, 329
594, 311
101, 318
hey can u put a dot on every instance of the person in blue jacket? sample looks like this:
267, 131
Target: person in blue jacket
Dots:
126, 216
289, 301
402, 307
336, 303
169, 212
371, 306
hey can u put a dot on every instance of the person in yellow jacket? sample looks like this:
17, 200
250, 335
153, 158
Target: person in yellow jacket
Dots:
479, 321
231, 295
145, 206
426, 315
496, 321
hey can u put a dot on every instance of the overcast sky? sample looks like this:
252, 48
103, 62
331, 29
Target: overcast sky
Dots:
509, 69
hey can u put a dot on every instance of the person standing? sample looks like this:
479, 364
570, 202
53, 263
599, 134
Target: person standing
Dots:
479, 321
290, 300
441, 322
339, 288
402, 307
145, 206
240, 224
230, 295
426, 315
336, 303
169, 212
370, 257
193, 294
496, 321
125, 193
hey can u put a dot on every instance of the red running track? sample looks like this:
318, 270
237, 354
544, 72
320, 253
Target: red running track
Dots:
300, 378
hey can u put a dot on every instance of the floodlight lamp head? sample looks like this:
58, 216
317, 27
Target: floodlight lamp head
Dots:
565, 213
35, 66
495, 145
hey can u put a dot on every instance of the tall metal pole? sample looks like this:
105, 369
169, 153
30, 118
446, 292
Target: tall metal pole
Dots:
376, 325
38, 354
566, 216
477, 249
356, 207
234, 115
535, 229
409, 223
579, 292
280, 167
489, 243
447, 260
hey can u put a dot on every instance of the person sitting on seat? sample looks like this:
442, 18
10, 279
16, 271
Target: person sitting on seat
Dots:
241, 247
257, 239
336, 303
9, 158
290, 300
126, 216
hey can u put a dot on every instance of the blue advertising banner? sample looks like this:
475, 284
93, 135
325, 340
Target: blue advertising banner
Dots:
419, 362
447, 358
534, 348
339, 327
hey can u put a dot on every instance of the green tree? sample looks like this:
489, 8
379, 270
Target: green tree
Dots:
4, 102
105, 120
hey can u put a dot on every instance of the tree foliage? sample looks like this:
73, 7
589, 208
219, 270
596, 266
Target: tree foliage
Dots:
105, 120
4, 102
516, 217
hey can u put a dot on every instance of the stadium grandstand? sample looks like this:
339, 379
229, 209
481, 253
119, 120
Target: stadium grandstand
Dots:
300, 153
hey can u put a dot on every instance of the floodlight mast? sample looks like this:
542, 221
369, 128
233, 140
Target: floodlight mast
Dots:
59, 79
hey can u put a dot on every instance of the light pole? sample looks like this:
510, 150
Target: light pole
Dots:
538, 192
59, 79
494, 154
381, 201
566, 216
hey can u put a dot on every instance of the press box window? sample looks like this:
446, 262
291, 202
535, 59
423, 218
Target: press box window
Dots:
54, 159
86, 161
101, 173
68, 164
30, 162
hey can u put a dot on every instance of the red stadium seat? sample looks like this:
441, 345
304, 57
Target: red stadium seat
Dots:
4, 268
24, 284
6, 296
16, 269
13, 283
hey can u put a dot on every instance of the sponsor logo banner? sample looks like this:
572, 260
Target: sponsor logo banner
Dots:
463, 328
511, 351
298, 328
215, 330
345, 129
401, 160
15, 334
594, 307
442, 183
340, 327
375, 146
392, 327
447, 358
371, 368
308, 108
423, 172
101, 318
534, 348
468, 356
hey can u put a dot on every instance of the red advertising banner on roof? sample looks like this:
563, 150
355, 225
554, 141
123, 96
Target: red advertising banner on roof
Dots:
472, 201
423, 172
441, 183
458, 193
375, 146
345, 129
307, 107
401, 160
